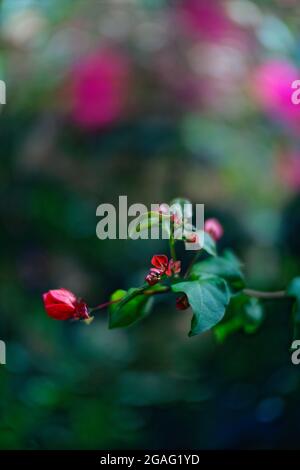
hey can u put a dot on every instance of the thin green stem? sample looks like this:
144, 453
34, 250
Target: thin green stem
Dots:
144, 290
163, 290
280, 294
104, 305
196, 257
172, 248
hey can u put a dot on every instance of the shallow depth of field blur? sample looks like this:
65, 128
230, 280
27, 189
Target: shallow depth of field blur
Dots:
151, 99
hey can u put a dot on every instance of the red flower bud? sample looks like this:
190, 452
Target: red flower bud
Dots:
214, 229
62, 304
192, 237
153, 277
176, 219
182, 303
174, 267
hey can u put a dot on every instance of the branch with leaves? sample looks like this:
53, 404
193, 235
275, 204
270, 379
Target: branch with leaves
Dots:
213, 287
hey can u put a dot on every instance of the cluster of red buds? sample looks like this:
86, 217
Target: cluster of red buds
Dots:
162, 266
212, 226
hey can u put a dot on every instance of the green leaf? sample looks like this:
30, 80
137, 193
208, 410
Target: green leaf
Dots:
253, 315
223, 330
294, 291
208, 298
233, 319
227, 268
230, 256
147, 220
133, 306
209, 245
242, 313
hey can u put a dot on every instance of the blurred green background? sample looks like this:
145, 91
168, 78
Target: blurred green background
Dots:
152, 99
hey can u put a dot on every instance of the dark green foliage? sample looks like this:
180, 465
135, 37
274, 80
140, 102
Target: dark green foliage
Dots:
208, 297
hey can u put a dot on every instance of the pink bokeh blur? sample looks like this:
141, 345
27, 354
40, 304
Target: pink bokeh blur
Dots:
99, 88
271, 85
207, 20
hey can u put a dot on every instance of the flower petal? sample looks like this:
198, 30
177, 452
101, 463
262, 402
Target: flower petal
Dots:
62, 296
60, 311
160, 261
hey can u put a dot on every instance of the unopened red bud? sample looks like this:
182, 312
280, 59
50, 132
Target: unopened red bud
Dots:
152, 278
192, 238
176, 219
182, 303
214, 229
62, 304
